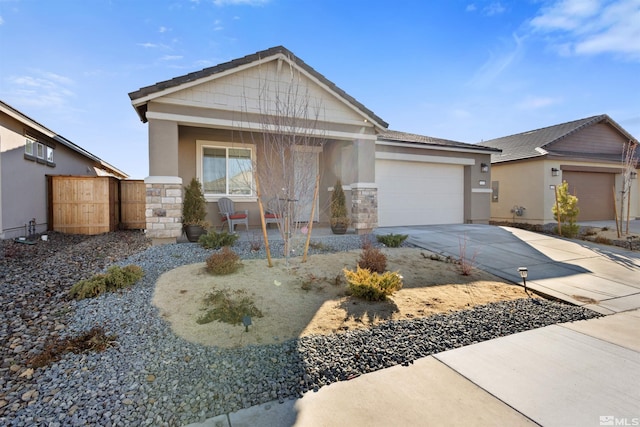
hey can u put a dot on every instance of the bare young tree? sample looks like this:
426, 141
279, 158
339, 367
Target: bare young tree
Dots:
288, 137
629, 165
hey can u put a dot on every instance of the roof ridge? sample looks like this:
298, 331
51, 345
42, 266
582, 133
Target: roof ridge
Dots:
248, 59
589, 119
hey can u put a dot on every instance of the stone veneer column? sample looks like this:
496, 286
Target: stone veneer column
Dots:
164, 208
364, 207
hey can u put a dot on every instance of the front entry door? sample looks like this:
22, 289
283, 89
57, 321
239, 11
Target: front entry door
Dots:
306, 164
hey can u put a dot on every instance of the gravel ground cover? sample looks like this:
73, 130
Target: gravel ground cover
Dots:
152, 377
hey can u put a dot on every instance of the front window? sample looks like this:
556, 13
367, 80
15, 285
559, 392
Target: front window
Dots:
226, 170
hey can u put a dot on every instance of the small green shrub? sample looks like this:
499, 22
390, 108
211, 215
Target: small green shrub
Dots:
228, 307
568, 230
223, 262
392, 240
319, 246
115, 278
373, 259
566, 211
215, 240
372, 286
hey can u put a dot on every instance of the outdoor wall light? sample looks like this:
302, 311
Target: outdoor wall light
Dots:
633, 175
554, 172
484, 167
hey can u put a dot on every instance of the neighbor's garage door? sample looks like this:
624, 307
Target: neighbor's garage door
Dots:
418, 193
594, 192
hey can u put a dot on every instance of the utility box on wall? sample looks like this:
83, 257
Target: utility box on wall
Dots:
84, 205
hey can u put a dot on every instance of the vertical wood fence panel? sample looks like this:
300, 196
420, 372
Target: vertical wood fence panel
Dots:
132, 205
84, 205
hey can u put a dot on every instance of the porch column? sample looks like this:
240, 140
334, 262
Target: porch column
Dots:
163, 148
364, 191
163, 208
164, 186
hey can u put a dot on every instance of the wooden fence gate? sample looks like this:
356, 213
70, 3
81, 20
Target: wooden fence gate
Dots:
132, 205
94, 205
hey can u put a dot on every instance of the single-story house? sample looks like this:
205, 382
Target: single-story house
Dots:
29, 152
587, 153
239, 113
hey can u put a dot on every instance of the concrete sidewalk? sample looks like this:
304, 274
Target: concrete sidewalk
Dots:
577, 374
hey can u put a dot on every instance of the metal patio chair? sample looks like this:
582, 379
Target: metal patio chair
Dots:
229, 215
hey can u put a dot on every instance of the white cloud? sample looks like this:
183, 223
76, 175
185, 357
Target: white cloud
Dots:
1, 20
497, 64
240, 2
148, 45
591, 27
171, 57
41, 89
537, 102
471, 8
495, 8
163, 29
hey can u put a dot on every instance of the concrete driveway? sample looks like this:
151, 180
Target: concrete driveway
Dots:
601, 277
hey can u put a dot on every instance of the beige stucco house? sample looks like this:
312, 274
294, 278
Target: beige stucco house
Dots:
235, 113
587, 153
28, 153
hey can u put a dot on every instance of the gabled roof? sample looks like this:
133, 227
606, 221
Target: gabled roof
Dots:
537, 143
140, 97
428, 141
27, 121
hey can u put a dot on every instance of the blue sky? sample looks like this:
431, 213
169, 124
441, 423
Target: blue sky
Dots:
463, 70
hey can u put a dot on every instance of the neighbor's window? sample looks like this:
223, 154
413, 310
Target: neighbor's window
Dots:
40, 151
50, 155
227, 171
28, 147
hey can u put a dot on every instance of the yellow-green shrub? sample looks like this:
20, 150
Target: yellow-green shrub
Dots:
372, 286
115, 278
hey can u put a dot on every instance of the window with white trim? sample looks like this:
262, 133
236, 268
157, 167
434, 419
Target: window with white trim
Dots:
40, 151
28, 146
225, 169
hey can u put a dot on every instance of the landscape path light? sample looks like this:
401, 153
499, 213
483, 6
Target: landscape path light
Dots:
246, 321
524, 273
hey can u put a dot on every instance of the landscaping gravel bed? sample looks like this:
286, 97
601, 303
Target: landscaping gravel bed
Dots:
152, 377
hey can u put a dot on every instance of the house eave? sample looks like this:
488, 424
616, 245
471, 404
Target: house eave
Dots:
426, 146
211, 122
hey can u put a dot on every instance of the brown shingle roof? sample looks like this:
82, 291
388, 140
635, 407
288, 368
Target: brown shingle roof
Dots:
536, 143
397, 136
187, 78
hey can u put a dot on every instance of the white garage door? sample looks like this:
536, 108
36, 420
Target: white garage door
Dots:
418, 193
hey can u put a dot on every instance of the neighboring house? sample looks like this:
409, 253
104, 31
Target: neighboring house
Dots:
587, 153
28, 153
226, 114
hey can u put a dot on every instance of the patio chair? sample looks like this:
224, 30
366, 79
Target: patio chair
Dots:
273, 212
229, 215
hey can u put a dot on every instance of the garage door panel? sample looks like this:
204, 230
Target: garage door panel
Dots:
595, 194
416, 193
